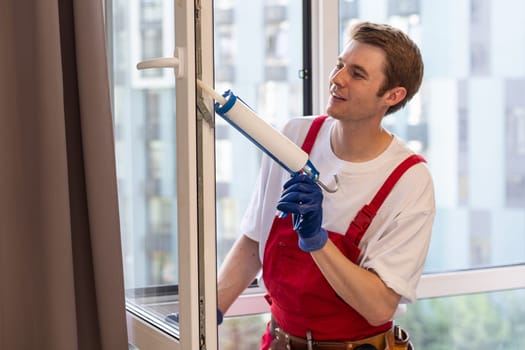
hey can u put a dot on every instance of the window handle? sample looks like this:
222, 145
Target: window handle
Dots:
176, 62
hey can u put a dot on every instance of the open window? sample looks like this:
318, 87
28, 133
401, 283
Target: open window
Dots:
165, 165
468, 121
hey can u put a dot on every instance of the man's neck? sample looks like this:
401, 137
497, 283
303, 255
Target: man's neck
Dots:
357, 143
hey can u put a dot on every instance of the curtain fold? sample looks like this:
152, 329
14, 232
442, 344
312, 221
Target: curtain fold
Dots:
60, 252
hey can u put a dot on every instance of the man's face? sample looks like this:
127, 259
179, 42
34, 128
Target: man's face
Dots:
355, 81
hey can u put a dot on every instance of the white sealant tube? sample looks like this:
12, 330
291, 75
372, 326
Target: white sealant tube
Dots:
265, 136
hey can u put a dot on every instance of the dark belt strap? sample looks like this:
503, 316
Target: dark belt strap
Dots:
286, 341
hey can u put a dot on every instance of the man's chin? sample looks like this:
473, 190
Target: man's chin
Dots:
332, 112
329, 110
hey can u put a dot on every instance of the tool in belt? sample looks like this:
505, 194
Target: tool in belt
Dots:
396, 339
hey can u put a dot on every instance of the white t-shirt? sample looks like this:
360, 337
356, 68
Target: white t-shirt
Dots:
396, 243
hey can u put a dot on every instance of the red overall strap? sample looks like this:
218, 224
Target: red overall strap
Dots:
312, 133
364, 217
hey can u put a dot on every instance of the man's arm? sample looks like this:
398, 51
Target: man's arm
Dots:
360, 288
237, 271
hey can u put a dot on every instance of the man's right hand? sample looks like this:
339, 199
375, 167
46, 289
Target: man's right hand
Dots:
303, 198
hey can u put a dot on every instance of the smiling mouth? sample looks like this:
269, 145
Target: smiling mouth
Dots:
336, 96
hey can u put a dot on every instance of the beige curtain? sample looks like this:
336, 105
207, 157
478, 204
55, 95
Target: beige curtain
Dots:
60, 254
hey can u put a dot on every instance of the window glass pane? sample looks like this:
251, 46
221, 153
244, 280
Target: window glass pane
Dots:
468, 121
258, 54
144, 120
479, 321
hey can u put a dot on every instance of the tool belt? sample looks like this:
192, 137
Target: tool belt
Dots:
396, 339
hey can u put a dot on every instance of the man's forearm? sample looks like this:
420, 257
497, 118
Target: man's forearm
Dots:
237, 271
361, 289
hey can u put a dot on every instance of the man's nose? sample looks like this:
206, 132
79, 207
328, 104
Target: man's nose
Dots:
337, 77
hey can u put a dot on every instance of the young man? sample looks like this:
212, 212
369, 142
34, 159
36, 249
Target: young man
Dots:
338, 265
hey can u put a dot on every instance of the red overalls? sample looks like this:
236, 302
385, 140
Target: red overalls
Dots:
300, 298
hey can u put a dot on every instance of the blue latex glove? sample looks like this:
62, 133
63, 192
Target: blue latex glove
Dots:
303, 198
220, 317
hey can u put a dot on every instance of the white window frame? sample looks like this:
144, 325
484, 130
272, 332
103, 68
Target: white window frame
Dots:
196, 211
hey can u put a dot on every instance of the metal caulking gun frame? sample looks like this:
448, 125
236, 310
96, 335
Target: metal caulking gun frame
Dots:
277, 146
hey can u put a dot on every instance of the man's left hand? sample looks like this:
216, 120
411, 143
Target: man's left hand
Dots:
303, 198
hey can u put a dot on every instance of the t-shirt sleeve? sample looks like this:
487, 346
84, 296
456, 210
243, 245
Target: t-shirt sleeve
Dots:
398, 256
251, 221
258, 217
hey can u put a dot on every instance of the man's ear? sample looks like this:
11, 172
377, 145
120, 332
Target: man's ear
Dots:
395, 95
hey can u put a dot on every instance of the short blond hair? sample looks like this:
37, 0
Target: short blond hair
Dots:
404, 64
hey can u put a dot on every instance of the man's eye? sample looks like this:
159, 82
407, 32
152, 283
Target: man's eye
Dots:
358, 75
339, 66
